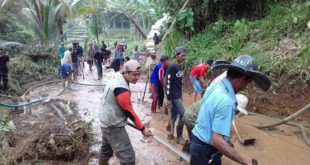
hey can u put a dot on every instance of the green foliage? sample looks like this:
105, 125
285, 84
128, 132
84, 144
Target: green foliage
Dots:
4, 128
185, 21
280, 42
208, 11
172, 41
13, 30
23, 70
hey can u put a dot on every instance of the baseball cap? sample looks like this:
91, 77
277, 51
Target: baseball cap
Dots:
179, 50
163, 58
153, 52
242, 103
131, 66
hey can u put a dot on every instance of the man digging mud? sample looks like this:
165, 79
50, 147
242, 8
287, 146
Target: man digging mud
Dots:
114, 111
217, 111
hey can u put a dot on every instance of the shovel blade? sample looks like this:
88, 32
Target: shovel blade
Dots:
249, 142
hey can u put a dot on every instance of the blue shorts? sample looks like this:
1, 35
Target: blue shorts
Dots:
196, 85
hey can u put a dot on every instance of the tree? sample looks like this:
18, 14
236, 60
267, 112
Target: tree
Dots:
208, 11
132, 9
45, 17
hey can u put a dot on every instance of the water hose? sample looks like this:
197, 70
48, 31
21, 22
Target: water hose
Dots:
301, 127
89, 84
49, 82
40, 100
287, 119
33, 102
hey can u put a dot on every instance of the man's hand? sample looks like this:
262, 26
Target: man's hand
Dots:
146, 132
168, 104
220, 143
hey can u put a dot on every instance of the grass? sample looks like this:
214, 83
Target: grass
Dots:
279, 42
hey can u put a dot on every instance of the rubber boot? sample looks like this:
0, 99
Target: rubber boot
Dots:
171, 131
180, 139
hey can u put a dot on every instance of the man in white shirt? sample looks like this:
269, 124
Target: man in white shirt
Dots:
67, 57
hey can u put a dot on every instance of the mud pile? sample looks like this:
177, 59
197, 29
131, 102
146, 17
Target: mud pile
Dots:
45, 135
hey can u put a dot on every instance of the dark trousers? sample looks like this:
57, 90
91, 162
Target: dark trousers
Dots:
203, 153
99, 69
116, 140
4, 79
177, 110
158, 96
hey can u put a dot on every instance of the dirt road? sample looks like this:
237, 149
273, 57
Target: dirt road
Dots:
281, 146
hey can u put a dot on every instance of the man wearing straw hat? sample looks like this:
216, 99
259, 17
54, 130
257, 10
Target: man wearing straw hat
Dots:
217, 111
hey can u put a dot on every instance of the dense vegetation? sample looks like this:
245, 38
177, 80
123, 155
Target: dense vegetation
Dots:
275, 32
279, 41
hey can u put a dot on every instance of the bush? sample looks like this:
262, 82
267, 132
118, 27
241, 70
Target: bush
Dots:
25, 72
279, 42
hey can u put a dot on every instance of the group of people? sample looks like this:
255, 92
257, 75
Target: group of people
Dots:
70, 60
213, 114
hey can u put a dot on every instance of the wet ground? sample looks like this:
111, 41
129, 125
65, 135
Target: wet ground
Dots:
282, 146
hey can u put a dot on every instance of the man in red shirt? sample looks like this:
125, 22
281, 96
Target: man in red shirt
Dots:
198, 75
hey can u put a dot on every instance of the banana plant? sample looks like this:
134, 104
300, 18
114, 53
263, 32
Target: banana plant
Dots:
44, 16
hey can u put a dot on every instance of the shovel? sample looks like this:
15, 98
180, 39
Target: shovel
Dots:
245, 142
175, 150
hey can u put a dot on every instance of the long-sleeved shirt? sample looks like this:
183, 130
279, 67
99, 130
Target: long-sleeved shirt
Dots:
116, 106
174, 78
122, 96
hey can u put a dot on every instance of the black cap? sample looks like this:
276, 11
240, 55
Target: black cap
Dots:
179, 50
163, 58
116, 63
210, 62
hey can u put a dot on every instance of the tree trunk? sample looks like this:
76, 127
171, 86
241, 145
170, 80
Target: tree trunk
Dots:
137, 27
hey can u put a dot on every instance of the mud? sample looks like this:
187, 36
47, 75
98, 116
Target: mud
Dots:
282, 145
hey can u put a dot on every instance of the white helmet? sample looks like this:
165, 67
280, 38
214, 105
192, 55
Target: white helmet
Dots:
242, 103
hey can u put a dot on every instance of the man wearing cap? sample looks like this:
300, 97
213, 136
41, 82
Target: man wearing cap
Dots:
157, 82
151, 62
174, 78
217, 111
115, 109
198, 75
4, 71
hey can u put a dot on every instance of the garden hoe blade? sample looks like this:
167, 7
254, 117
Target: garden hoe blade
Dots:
246, 142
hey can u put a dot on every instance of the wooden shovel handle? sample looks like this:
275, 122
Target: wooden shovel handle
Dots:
236, 130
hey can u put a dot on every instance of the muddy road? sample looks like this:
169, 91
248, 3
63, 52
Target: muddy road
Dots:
280, 146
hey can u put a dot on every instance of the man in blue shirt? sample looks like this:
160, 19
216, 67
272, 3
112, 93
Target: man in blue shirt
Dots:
156, 79
65, 72
217, 111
